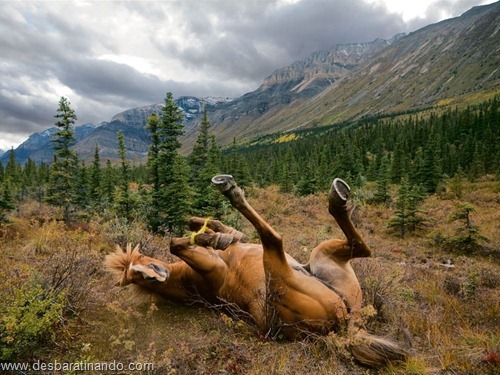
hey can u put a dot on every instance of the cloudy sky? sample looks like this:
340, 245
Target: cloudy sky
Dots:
108, 56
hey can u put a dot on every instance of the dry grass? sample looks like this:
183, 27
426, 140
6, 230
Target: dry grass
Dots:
448, 316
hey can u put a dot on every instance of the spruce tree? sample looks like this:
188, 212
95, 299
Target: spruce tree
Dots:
154, 173
179, 193
170, 128
109, 183
308, 182
61, 192
383, 180
468, 235
6, 199
164, 159
82, 186
407, 215
12, 169
202, 161
96, 179
123, 199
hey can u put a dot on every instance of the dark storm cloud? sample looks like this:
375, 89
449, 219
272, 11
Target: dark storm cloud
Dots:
223, 48
253, 39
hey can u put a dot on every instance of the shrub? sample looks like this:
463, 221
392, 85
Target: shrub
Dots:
468, 236
28, 317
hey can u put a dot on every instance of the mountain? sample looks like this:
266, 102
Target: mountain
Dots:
285, 88
448, 63
38, 146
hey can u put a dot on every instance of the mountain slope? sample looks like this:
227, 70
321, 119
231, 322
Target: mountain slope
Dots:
447, 62
285, 88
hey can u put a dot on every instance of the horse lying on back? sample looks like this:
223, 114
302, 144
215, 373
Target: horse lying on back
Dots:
319, 297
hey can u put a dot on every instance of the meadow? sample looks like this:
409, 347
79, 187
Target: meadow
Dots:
58, 303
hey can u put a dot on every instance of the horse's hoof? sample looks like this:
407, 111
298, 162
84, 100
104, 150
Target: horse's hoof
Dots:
223, 182
339, 193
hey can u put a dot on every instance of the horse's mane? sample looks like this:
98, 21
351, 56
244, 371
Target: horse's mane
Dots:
118, 262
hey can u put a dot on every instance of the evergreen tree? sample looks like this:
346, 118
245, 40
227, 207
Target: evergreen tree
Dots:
407, 217
82, 186
308, 182
163, 158
6, 199
61, 191
153, 155
202, 161
199, 156
383, 180
468, 236
123, 199
179, 195
170, 128
96, 179
12, 169
109, 183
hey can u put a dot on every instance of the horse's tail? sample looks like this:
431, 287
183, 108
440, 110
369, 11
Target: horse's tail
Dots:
376, 351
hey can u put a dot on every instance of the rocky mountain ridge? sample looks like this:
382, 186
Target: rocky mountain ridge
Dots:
453, 62
285, 88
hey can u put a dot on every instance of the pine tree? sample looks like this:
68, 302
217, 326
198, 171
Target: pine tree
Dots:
82, 186
468, 236
308, 182
96, 179
154, 173
203, 160
163, 158
61, 191
170, 128
109, 183
6, 199
178, 196
199, 156
123, 200
383, 180
407, 217
12, 169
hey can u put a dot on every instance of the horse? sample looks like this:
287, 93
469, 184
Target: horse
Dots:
217, 267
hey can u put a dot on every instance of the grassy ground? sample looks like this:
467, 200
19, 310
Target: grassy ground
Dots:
444, 306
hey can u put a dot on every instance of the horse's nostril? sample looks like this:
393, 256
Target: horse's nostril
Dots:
158, 268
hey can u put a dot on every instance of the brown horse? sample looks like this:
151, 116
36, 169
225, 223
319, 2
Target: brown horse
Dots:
316, 298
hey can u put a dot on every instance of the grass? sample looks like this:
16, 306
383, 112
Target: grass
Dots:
447, 316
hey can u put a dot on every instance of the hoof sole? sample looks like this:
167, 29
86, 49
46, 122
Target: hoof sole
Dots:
339, 193
223, 182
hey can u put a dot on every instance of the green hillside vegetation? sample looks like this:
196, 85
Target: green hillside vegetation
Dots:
426, 194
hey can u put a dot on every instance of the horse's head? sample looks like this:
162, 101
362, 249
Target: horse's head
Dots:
132, 267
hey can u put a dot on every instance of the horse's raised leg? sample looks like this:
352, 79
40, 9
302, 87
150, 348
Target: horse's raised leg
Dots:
274, 256
196, 223
337, 206
215, 234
